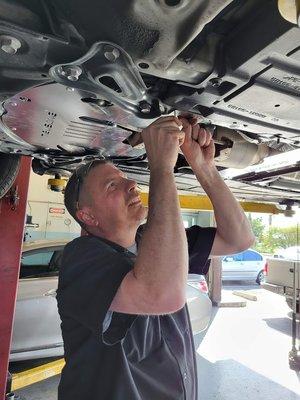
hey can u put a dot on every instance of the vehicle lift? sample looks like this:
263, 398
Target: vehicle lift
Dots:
12, 221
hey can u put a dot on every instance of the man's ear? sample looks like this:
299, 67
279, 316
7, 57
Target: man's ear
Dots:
85, 215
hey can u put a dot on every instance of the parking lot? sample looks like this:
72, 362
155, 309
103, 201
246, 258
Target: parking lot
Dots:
242, 355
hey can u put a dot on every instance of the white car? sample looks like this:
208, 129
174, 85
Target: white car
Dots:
246, 266
36, 330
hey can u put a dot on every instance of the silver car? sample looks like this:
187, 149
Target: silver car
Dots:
248, 265
36, 330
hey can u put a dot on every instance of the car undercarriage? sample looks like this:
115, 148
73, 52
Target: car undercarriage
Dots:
80, 80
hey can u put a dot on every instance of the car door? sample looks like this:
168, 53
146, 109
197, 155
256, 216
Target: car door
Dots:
253, 263
232, 267
37, 324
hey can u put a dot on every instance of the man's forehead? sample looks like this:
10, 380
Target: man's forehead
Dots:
106, 171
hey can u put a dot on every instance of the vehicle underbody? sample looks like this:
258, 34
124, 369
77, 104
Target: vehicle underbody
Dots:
79, 81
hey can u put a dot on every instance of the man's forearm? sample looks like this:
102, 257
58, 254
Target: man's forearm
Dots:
163, 254
232, 224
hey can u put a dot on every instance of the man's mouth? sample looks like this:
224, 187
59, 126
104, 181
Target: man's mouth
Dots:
134, 202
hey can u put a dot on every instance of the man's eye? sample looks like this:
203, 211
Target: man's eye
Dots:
111, 184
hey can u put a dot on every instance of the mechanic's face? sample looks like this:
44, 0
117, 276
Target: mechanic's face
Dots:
114, 201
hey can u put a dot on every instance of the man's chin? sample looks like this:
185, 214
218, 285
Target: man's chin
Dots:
141, 213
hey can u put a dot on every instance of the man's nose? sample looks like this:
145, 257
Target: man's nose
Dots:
131, 184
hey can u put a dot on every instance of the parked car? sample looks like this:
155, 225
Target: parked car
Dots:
36, 330
279, 276
289, 253
80, 83
248, 265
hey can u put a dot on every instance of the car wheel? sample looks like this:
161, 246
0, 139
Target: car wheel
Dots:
260, 278
9, 168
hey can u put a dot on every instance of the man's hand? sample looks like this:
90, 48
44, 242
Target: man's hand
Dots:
198, 147
162, 140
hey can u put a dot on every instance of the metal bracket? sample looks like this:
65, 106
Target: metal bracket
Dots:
107, 65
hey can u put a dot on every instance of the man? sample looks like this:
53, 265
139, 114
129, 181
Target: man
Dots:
126, 335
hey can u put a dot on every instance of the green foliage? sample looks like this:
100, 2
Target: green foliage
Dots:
268, 239
258, 228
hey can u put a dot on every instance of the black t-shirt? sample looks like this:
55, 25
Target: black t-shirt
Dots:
138, 357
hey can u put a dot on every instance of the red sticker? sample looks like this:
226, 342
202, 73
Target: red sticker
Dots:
54, 210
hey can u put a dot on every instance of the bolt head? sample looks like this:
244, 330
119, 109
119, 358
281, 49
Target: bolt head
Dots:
215, 82
145, 107
9, 44
72, 73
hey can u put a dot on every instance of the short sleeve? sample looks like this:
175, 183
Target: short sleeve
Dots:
200, 241
90, 276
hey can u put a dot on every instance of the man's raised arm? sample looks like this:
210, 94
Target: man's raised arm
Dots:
163, 255
233, 233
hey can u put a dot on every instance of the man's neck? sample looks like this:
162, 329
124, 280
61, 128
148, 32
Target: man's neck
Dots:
124, 238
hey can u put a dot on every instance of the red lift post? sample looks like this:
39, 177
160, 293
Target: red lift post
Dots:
12, 221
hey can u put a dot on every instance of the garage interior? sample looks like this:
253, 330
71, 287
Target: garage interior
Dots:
115, 68
244, 349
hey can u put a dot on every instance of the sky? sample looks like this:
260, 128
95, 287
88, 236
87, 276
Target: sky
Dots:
280, 220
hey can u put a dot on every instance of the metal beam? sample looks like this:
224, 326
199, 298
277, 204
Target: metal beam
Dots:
202, 203
12, 214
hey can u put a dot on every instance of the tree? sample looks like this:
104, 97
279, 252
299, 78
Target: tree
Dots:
268, 239
258, 228
281, 238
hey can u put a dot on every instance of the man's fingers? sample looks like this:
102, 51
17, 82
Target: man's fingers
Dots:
170, 125
177, 134
186, 127
192, 119
202, 137
208, 138
162, 121
181, 137
195, 132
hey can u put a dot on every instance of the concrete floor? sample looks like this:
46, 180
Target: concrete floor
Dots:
243, 354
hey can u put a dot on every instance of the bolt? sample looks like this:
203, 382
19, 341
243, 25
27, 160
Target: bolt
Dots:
13, 104
215, 82
145, 107
70, 89
72, 73
112, 54
9, 44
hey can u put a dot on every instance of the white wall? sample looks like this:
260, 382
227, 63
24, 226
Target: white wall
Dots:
48, 211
